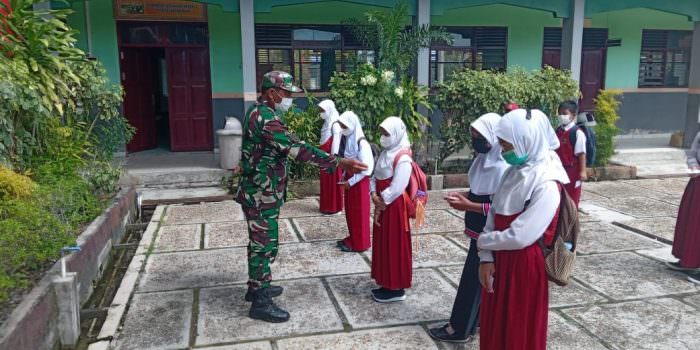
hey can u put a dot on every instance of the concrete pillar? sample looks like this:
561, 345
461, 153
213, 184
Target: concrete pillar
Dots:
423, 64
247, 11
572, 39
693, 111
67, 299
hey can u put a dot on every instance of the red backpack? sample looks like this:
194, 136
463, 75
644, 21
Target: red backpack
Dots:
416, 191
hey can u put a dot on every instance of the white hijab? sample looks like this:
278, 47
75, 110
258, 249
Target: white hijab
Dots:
527, 137
330, 116
398, 137
487, 168
350, 119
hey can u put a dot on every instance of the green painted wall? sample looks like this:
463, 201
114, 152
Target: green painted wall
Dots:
76, 20
104, 37
622, 67
315, 13
525, 29
225, 50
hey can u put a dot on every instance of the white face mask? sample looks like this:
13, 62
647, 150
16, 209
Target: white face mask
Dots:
346, 131
385, 141
323, 115
564, 119
284, 105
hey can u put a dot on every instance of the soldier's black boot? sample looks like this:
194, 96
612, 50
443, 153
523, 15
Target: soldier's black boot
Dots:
264, 309
274, 291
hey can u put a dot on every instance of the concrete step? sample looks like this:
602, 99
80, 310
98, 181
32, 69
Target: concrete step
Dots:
178, 179
152, 196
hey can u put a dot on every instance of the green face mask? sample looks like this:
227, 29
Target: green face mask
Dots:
513, 159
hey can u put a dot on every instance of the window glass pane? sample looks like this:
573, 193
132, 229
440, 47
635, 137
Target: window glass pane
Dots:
667, 63
272, 59
439, 72
491, 59
134, 33
679, 39
309, 68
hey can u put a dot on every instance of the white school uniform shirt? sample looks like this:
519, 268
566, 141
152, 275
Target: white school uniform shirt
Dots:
330, 126
534, 182
356, 150
384, 168
580, 146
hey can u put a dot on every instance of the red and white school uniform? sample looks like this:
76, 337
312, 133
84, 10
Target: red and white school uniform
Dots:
392, 258
331, 194
568, 154
524, 210
357, 197
686, 241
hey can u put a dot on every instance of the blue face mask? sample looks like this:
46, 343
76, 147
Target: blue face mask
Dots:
511, 158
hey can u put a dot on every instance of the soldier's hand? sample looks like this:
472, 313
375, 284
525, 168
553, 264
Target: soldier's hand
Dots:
352, 165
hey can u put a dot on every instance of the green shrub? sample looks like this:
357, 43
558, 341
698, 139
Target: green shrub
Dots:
469, 94
13, 185
306, 125
606, 105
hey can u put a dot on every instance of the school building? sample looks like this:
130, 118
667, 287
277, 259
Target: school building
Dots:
186, 65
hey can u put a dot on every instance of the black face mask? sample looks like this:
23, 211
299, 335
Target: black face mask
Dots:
480, 145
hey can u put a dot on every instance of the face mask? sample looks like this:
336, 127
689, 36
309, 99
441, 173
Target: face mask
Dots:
346, 132
284, 105
513, 159
385, 141
480, 145
323, 115
564, 119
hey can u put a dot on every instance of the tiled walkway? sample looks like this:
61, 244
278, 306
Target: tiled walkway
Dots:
190, 293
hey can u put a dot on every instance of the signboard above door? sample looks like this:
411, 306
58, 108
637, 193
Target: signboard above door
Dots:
160, 10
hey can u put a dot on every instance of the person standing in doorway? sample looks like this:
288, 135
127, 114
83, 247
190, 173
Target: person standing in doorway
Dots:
263, 185
484, 176
392, 260
331, 193
515, 298
572, 149
686, 241
356, 185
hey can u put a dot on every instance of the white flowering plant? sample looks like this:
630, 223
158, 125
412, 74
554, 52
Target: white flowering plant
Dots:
377, 94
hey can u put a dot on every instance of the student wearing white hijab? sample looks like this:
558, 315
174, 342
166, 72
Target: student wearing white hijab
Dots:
356, 185
391, 239
484, 176
514, 308
331, 193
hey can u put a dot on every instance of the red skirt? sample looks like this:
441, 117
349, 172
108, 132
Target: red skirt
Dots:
391, 253
515, 315
686, 241
331, 192
357, 216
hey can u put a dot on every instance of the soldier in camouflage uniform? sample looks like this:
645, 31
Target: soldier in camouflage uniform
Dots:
263, 185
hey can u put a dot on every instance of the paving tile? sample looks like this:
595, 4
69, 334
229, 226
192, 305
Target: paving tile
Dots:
436, 200
426, 300
322, 227
648, 324
453, 273
627, 275
157, 321
433, 251
258, 345
201, 268
299, 208
663, 227
564, 335
223, 314
460, 238
600, 237
616, 190
661, 254
178, 237
203, 213
693, 300
585, 217
437, 221
235, 234
642, 207
590, 196
398, 338
316, 259
673, 186
572, 294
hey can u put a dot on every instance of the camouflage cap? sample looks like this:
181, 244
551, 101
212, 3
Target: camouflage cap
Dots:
280, 80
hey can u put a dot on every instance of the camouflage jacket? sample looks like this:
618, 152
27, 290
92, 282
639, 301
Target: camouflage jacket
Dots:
266, 146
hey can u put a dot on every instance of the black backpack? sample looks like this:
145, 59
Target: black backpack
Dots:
590, 142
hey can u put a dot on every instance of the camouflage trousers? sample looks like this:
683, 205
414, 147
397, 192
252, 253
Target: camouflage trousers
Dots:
263, 231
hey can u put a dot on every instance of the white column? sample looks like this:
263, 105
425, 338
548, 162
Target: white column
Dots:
423, 64
247, 12
572, 39
693, 114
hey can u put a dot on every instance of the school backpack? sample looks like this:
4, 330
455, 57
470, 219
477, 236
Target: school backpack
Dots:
559, 258
590, 142
372, 146
416, 193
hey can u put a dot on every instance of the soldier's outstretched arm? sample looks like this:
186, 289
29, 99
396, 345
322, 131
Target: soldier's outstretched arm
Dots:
278, 136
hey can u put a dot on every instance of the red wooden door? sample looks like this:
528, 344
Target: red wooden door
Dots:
592, 73
551, 57
138, 79
189, 99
